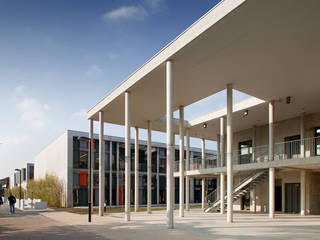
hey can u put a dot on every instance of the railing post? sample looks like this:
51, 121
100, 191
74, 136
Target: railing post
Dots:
302, 146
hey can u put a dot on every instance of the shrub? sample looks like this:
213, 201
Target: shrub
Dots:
15, 192
48, 189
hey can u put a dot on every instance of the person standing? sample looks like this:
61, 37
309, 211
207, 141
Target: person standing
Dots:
12, 201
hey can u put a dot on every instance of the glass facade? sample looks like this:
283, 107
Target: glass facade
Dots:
117, 164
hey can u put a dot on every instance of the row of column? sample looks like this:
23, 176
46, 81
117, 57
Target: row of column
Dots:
170, 157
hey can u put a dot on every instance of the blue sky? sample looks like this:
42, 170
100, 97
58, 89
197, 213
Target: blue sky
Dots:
59, 58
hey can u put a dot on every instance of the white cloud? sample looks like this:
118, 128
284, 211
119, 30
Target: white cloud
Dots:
19, 89
112, 56
82, 113
126, 12
93, 70
155, 4
33, 112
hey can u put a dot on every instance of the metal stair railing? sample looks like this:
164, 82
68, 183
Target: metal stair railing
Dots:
240, 189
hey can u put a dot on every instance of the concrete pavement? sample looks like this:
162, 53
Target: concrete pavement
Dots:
195, 225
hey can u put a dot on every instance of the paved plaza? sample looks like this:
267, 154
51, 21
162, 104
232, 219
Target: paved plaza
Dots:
195, 225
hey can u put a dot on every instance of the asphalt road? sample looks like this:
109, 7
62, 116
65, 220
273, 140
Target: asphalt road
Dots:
31, 225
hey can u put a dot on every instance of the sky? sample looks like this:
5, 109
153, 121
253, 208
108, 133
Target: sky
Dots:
59, 58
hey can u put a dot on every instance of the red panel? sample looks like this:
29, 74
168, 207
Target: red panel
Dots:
83, 179
120, 195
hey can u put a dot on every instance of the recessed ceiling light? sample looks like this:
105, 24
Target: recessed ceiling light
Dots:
205, 125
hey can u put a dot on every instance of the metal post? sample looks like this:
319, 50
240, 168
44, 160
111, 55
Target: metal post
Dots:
101, 166
110, 174
229, 155
20, 195
136, 170
127, 157
90, 170
302, 145
181, 152
170, 146
149, 182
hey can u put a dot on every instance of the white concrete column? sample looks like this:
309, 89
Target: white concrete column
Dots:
254, 144
117, 173
127, 156
229, 155
253, 200
158, 177
271, 158
110, 174
222, 192
303, 192
302, 145
222, 142
218, 152
187, 169
203, 180
174, 165
149, 201
101, 166
136, 170
91, 165
181, 163
170, 146
271, 191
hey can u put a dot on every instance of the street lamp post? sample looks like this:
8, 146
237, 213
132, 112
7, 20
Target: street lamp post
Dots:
89, 176
19, 170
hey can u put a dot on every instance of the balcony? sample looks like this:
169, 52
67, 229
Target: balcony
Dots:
310, 147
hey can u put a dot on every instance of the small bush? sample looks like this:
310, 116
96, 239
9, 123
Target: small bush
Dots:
48, 189
15, 192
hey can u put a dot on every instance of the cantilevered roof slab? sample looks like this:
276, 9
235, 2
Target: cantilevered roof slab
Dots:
267, 49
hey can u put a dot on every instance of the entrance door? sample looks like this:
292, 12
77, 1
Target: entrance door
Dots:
278, 198
292, 197
245, 202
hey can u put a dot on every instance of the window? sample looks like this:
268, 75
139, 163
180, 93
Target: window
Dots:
114, 156
154, 154
142, 158
121, 156
162, 160
107, 155
31, 172
24, 174
83, 163
317, 141
245, 150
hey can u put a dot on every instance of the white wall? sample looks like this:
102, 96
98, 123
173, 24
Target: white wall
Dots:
53, 160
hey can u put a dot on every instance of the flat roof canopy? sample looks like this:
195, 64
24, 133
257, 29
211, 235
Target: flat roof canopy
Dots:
267, 49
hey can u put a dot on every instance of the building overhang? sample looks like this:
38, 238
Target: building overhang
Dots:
267, 49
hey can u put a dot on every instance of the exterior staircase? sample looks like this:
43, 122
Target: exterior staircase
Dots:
240, 190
